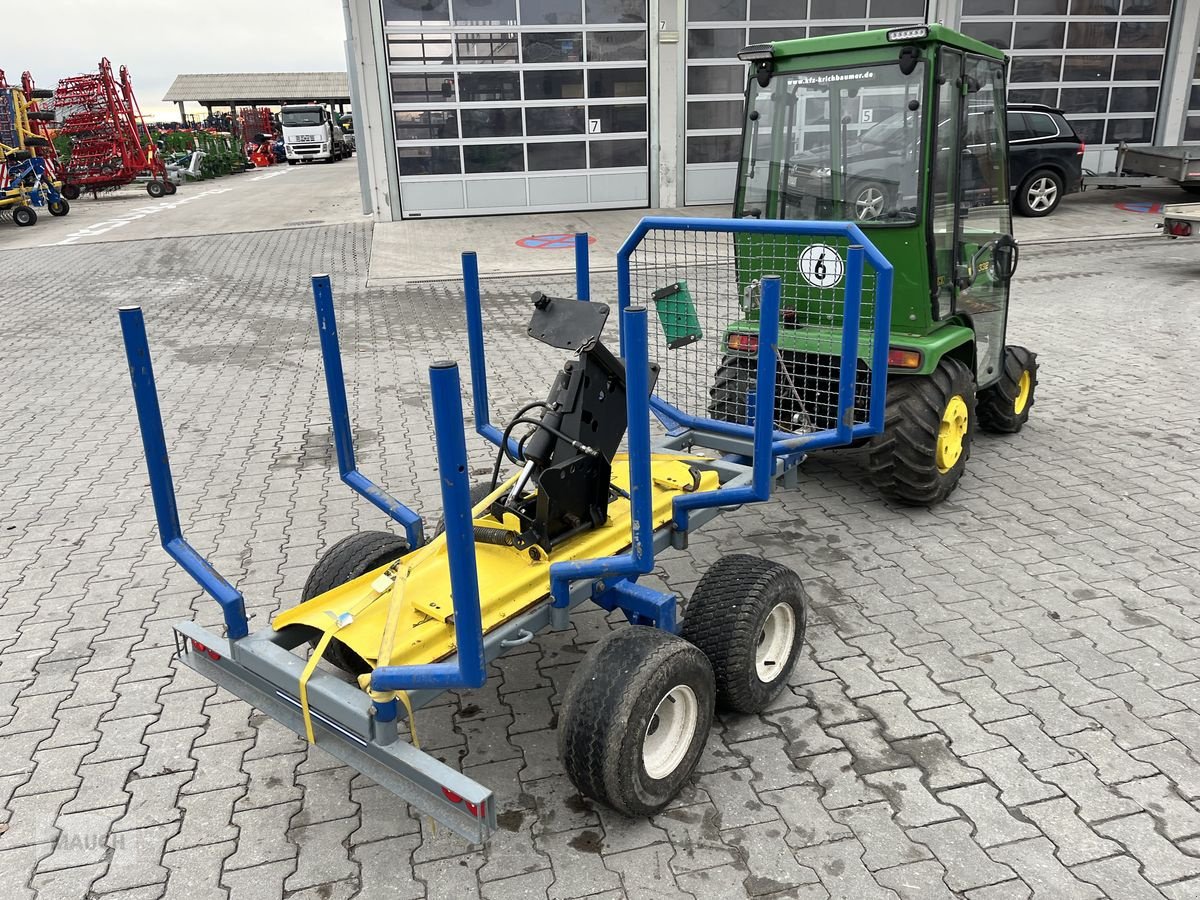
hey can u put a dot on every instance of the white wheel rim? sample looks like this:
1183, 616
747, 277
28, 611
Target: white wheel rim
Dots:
775, 643
1042, 194
670, 731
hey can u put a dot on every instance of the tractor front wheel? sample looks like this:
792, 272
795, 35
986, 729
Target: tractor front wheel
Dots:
926, 441
1004, 406
748, 616
346, 560
635, 719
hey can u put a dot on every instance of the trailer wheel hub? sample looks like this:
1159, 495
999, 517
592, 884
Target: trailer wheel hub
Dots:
670, 731
951, 432
775, 643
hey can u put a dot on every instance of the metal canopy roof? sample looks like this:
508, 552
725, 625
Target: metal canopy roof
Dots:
263, 88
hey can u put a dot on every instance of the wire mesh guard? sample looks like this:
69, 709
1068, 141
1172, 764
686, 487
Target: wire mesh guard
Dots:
705, 288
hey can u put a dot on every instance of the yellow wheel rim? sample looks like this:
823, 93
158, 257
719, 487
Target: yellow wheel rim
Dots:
951, 433
1024, 387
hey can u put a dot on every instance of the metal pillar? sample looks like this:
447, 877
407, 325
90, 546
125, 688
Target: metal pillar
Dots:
1174, 97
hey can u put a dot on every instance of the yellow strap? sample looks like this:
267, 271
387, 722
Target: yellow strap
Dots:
305, 675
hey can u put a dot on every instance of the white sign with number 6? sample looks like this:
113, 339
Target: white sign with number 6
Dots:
822, 265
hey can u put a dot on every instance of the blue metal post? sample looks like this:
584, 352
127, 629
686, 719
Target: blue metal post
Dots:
468, 671
882, 336
339, 414
640, 558
851, 314
763, 464
583, 278
479, 391
154, 442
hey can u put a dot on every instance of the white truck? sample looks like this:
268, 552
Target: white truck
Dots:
1181, 220
309, 133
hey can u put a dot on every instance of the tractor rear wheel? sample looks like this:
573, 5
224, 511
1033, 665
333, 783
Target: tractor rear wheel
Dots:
748, 616
735, 378
635, 719
928, 426
346, 560
24, 216
1004, 406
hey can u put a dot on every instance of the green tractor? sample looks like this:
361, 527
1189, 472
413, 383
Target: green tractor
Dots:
903, 133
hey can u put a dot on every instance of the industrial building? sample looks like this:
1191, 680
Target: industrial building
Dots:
479, 107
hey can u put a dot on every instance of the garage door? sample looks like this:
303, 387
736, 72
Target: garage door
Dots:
518, 105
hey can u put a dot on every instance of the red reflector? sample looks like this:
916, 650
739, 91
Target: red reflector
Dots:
475, 809
1082, 147
747, 343
904, 359
199, 647
451, 796
214, 655
1178, 228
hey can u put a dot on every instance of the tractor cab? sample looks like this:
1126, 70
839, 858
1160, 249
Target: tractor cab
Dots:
901, 132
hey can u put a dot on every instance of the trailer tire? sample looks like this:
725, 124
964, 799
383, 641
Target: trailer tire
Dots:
1040, 193
170, 187
58, 207
70, 191
155, 189
346, 560
24, 216
929, 423
478, 492
635, 719
1004, 406
748, 616
1191, 188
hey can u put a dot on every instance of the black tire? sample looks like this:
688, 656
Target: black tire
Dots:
70, 191
742, 607
41, 94
1040, 193
478, 492
1004, 406
24, 216
40, 115
1191, 188
291, 162
34, 141
869, 201
155, 189
346, 560
611, 711
727, 396
58, 207
18, 156
170, 187
903, 461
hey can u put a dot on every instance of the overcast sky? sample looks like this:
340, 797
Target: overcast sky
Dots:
158, 40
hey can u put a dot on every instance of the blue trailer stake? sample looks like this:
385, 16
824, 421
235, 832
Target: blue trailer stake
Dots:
479, 391
469, 669
640, 558
162, 488
339, 414
763, 464
583, 274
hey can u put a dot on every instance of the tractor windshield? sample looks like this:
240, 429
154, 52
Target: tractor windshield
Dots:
834, 145
295, 117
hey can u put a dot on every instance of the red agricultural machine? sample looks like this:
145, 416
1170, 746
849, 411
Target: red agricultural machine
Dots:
258, 135
110, 144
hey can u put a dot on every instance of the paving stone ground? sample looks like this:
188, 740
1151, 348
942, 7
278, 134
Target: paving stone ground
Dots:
999, 697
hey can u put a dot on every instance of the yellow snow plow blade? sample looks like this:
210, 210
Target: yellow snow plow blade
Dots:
510, 580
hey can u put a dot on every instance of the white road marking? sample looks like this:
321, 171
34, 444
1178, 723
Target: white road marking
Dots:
270, 174
133, 215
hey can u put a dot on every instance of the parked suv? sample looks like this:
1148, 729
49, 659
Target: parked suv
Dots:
1045, 158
